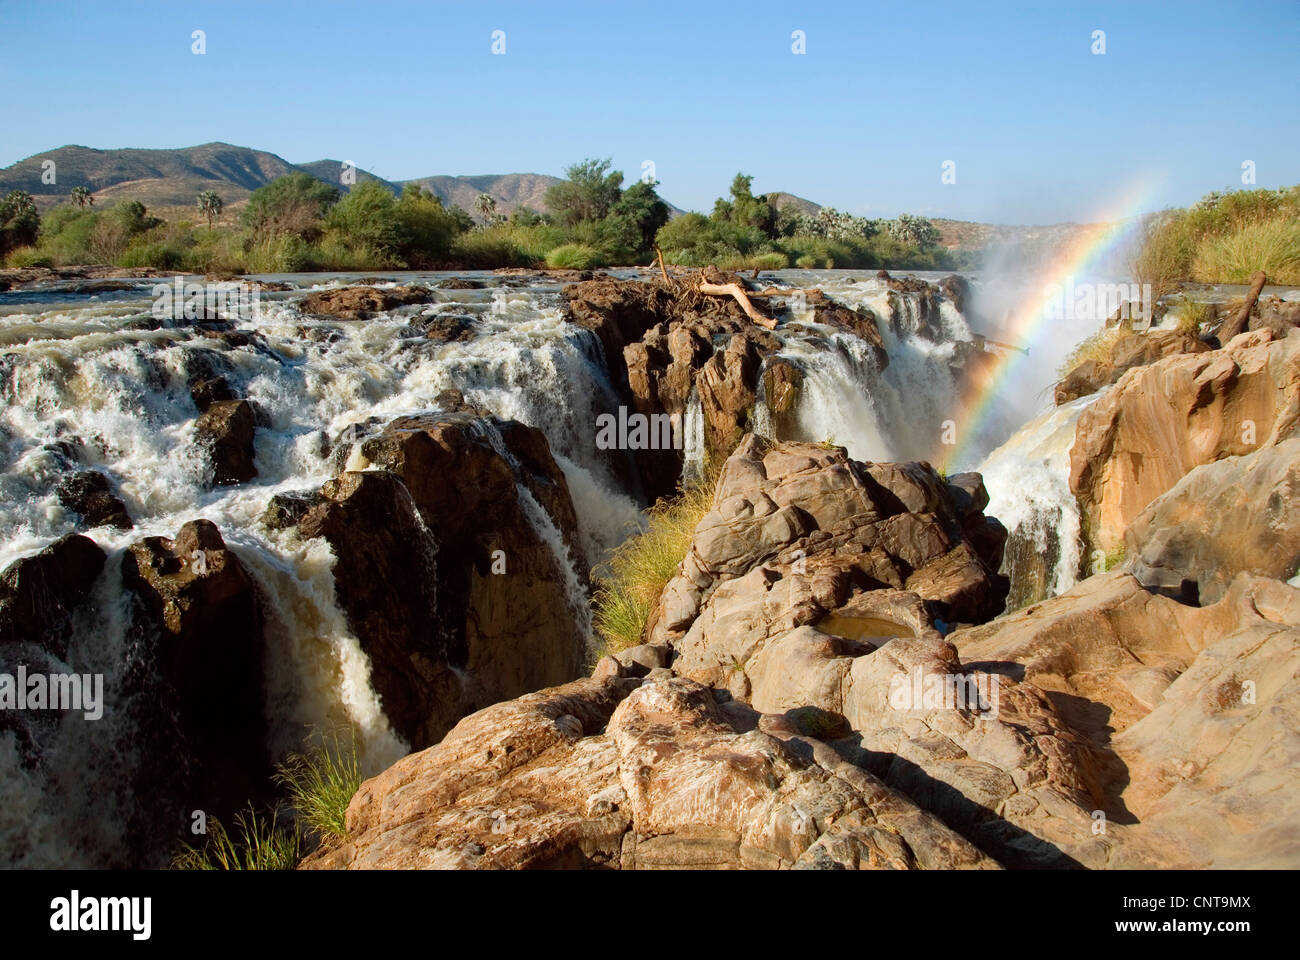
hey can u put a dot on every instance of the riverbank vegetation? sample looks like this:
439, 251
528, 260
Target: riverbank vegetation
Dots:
1224, 238
299, 223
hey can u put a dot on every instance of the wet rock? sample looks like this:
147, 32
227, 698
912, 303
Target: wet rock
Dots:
386, 574
206, 392
362, 303
286, 509
226, 428
39, 594
198, 616
451, 588
90, 494
449, 328
460, 283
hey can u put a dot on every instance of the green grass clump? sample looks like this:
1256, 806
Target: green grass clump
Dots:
321, 783
259, 843
1224, 238
573, 256
28, 257
641, 566
1192, 315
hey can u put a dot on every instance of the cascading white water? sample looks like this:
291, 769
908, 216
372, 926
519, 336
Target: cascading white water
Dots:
1028, 479
897, 414
120, 395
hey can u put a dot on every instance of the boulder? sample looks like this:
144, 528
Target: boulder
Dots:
226, 429
362, 303
39, 594
1160, 421
636, 775
89, 493
462, 593
198, 621
1129, 351
1236, 515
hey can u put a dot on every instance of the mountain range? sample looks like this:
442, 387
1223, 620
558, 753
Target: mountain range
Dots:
172, 177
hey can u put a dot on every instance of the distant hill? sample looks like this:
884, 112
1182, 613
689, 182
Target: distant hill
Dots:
511, 190
171, 178
803, 207
166, 179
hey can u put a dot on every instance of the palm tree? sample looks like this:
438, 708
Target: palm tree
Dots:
209, 205
486, 205
82, 197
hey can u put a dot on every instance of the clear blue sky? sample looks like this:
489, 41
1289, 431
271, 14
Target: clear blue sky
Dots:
1040, 129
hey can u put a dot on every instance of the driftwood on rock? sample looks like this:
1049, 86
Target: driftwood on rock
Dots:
1238, 323
734, 290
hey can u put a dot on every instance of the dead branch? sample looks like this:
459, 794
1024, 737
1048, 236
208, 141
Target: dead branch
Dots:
1238, 323
734, 290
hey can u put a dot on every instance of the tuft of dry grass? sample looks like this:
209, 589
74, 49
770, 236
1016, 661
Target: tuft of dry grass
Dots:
1097, 347
641, 566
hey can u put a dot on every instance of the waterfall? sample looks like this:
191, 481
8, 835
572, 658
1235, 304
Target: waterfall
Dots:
1028, 479
86, 387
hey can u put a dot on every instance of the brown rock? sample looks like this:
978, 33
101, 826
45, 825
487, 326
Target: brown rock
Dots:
90, 494
39, 594
1160, 421
226, 427
362, 303
634, 775
199, 616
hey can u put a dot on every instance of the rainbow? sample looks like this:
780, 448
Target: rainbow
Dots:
1027, 322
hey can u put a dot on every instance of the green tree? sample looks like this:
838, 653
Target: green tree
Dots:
914, 231
209, 205
367, 217
746, 210
485, 205
20, 224
293, 204
589, 193
426, 228
82, 197
628, 232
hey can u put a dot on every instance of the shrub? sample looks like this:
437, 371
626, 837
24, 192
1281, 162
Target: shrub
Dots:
1097, 347
295, 203
573, 256
66, 233
367, 219
1272, 246
425, 227
507, 245
28, 257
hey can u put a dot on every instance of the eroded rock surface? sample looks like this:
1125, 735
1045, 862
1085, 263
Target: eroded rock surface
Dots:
1158, 422
636, 774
